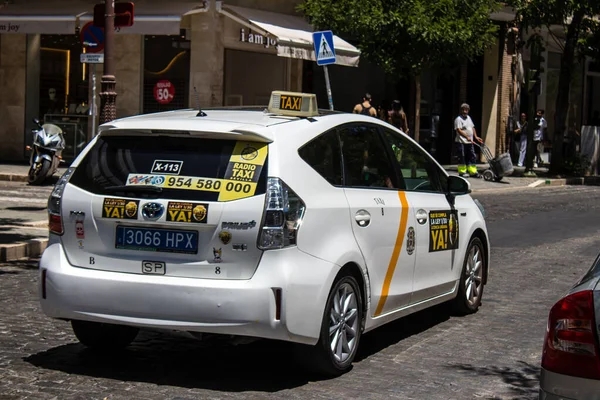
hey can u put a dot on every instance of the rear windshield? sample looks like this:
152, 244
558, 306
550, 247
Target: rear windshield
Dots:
182, 167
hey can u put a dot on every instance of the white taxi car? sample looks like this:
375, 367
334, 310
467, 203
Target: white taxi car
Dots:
287, 223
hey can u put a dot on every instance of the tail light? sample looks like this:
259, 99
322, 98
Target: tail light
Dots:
55, 224
282, 217
571, 343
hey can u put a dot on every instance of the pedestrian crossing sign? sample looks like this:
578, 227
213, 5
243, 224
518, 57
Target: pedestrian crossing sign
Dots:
324, 50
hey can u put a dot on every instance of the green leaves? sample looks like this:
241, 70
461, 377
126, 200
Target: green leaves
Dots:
406, 36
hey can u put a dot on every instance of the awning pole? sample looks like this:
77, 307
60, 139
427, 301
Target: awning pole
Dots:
328, 87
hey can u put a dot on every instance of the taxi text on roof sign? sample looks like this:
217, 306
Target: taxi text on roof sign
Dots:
293, 104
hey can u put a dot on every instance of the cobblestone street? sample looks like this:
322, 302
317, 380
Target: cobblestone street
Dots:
542, 241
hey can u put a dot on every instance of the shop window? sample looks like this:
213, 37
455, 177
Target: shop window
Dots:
64, 90
166, 73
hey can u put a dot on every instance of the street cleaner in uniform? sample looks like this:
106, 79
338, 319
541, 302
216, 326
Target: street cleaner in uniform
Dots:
465, 145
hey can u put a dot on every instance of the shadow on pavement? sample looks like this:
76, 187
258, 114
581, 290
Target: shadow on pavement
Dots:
170, 359
166, 360
523, 380
396, 331
26, 208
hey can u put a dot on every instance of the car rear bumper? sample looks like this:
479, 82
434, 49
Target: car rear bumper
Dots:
233, 307
555, 386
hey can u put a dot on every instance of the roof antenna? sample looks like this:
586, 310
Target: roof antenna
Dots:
200, 112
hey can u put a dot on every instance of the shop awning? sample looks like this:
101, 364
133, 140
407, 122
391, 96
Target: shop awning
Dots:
52, 17
293, 34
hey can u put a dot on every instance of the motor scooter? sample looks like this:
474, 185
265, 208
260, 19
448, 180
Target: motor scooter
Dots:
46, 153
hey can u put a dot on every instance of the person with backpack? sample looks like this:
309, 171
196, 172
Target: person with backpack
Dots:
465, 143
365, 107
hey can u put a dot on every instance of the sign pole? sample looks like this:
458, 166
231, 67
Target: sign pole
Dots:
324, 55
108, 93
93, 108
328, 87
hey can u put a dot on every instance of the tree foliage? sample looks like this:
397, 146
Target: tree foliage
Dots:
575, 24
407, 36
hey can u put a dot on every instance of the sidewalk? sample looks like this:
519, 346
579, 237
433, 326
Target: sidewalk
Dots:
21, 239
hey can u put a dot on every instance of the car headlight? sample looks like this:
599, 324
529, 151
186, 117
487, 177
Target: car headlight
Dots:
480, 206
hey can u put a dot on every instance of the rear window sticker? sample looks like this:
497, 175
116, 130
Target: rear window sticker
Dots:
120, 208
240, 181
225, 237
187, 212
443, 230
166, 167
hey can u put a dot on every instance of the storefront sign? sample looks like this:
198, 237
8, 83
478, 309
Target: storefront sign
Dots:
92, 58
255, 38
7, 27
92, 37
164, 92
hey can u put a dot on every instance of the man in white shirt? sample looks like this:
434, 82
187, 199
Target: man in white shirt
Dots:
465, 136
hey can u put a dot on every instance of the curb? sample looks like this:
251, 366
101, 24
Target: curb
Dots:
30, 249
13, 177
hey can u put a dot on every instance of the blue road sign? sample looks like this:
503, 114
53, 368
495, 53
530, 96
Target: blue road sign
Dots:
324, 50
92, 37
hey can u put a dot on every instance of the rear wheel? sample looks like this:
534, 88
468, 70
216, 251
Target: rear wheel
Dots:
340, 330
470, 289
38, 171
101, 336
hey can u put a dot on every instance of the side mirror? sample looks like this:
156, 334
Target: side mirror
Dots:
458, 185
37, 122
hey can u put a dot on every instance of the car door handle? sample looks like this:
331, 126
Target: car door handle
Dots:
363, 218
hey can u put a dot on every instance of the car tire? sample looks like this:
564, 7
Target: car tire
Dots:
343, 317
37, 172
470, 288
99, 336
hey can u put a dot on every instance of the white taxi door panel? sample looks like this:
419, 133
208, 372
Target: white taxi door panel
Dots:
380, 220
436, 236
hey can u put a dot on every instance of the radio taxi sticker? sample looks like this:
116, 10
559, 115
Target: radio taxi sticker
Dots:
443, 230
120, 208
240, 180
187, 212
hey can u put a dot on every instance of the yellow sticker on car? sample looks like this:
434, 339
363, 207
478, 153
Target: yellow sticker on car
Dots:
240, 180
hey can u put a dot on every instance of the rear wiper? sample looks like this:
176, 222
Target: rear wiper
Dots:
134, 189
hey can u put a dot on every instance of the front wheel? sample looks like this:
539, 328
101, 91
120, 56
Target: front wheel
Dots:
470, 288
38, 171
341, 329
488, 175
101, 336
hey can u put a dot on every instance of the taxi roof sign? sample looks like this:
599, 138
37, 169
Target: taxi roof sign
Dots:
293, 104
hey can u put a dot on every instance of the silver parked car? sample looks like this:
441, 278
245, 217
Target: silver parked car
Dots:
571, 356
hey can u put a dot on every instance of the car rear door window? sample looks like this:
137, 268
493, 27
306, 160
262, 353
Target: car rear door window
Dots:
187, 168
324, 156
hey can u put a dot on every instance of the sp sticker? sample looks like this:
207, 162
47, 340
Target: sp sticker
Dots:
410, 241
217, 254
120, 208
443, 230
187, 212
225, 237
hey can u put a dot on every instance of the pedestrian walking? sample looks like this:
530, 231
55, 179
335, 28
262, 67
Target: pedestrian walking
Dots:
365, 107
538, 136
465, 143
520, 133
397, 117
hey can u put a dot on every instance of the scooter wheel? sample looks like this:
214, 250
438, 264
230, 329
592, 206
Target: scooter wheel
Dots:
488, 175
